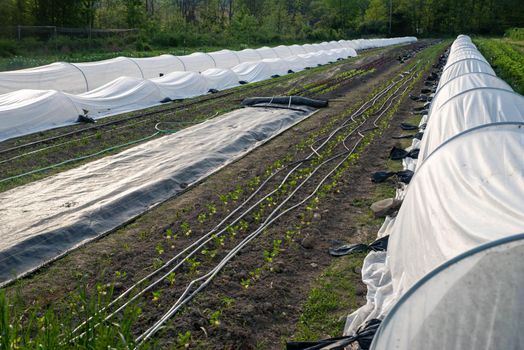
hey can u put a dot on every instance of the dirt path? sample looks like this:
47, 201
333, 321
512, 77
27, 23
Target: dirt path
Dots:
257, 299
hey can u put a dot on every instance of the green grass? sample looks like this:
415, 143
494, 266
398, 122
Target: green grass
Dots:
506, 58
329, 302
515, 34
334, 294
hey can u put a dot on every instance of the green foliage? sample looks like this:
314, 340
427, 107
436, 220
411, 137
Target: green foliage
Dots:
376, 17
214, 320
7, 48
506, 59
242, 23
32, 326
184, 339
515, 33
333, 294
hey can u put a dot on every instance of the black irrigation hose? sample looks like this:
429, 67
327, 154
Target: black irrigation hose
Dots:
286, 100
274, 106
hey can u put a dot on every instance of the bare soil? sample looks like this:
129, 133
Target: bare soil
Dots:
266, 313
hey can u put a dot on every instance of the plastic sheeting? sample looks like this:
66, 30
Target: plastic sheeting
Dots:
123, 84
475, 301
180, 85
467, 110
253, 71
464, 67
55, 76
153, 67
467, 191
81, 77
100, 72
225, 59
27, 111
267, 52
45, 219
464, 82
132, 93
40, 110
249, 55
220, 79
283, 51
197, 62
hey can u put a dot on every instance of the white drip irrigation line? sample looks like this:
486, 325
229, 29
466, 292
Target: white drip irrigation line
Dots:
186, 297
352, 117
210, 235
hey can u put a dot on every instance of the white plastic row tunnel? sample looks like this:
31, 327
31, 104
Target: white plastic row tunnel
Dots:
54, 95
453, 273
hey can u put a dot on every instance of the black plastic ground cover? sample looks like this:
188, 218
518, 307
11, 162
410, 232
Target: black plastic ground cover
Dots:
380, 245
364, 338
286, 100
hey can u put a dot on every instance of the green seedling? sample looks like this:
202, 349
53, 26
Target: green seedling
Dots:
243, 225
171, 278
256, 274
219, 240
245, 282
171, 235
186, 229
119, 274
235, 195
224, 198
184, 339
156, 295
227, 301
268, 256
232, 230
193, 264
157, 263
257, 216
211, 209
214, 320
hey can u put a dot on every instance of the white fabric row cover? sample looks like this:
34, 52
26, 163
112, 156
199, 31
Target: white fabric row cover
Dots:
467, 97
26, 111
83, 77
468, 192
43, 220
474, 301
452, 253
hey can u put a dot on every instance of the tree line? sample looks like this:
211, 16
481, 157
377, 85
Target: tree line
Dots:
249, 21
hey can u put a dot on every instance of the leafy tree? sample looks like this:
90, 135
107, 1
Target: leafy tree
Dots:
181, 22
376, 17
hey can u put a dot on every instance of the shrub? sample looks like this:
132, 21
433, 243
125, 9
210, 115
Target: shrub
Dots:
515, 33
7, 48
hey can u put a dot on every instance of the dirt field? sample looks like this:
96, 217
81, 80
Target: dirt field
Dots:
259, 299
